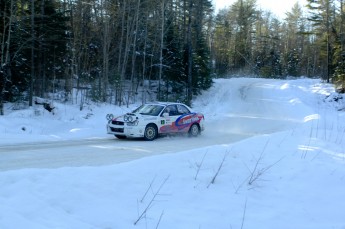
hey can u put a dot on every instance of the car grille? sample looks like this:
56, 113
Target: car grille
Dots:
117, 123
119, 130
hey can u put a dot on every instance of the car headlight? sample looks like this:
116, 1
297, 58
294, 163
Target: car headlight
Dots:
128, 118
109, 116
135, 123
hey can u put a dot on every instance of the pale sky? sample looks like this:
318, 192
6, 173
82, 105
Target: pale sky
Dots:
278, 7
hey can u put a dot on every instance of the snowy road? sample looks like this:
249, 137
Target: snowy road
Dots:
258, 113
102, 151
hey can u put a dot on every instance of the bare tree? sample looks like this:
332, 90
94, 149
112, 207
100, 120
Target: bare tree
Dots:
190, 54
161, 51
33, 37
5, 50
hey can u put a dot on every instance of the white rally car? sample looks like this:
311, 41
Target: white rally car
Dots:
152, 119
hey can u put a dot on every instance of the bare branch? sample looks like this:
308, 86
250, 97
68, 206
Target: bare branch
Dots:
143, 213
258, 172
150, 186
199, 165
219, 168
244, 214
160, 218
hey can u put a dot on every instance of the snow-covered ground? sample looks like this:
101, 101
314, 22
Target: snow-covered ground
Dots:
288, 171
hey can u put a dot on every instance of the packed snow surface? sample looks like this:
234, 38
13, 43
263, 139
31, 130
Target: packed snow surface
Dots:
272, 156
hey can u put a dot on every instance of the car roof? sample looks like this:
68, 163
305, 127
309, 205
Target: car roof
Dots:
170, 103
164, 103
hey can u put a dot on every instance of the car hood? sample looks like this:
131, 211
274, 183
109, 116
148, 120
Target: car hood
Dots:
130, 117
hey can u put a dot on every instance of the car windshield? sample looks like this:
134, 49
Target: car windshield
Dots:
149, 109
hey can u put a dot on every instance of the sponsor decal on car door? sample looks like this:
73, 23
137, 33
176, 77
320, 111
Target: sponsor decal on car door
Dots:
168, 124
185, 121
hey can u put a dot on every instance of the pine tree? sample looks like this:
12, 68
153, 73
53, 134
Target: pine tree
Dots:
322, 18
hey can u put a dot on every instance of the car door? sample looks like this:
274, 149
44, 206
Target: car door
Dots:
168, 119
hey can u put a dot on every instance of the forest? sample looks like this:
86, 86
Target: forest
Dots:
119, 51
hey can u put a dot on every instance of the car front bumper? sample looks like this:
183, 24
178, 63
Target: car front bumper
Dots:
125, 130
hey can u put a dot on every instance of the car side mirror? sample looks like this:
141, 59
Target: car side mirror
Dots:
166, 114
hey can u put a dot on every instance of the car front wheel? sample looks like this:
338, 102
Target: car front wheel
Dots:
194, 130
151, 132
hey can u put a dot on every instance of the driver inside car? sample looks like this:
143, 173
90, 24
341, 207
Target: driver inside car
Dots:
171, 110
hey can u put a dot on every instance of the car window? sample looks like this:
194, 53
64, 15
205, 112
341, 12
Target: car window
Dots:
149, 109
171, 109
182, 109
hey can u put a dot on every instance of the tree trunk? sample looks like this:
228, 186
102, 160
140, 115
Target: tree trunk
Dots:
144, 67
32, 52
161, 53
120, 56
190, 54
106, 45
5, 55
328, 42
134, 52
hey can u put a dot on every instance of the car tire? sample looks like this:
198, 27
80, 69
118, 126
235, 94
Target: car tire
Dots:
120, 136
194, 130
151, 132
